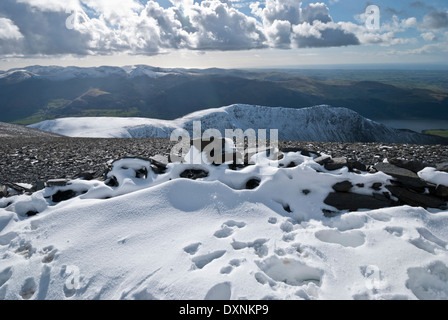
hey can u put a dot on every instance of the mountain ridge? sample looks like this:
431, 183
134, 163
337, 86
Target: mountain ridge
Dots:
37, 93
321, 123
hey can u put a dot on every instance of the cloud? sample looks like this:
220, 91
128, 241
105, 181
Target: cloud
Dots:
8, 30
435, 20
102, 27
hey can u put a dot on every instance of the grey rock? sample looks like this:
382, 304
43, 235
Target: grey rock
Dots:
377, 186
194, 174
253, 184
406, 177
416, 199
356, 165
322, 160
336, 164
442, 167
344, 186
354, 201
3, 191
414, 166
56, 183
441, 191
63, 196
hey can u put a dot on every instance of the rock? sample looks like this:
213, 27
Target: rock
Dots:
377, 186
111, 182
354, 201
356, 165
39, 185
141, 173
85, 176
416, 199
360, 185
441, 191
336, 164
158, 164
306, 192
322, 160
442, 167
414, 166
194, 174
252, 184
344, 186
31, 213
3, 191
63, 196
404, 176
56, 183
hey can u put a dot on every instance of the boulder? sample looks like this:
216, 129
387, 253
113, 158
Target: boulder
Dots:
252, 184
194, 174
322, 160
414, 166
344, 186
416, 199
63, 196
3, 191
405, 177
441, 191
356, 165
336, 164
442, 167
56, 183
354, 201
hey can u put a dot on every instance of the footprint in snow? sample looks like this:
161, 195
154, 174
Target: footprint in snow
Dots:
428, 241
228, 228
232, 265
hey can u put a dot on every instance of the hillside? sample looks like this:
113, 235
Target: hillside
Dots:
37, 93
319, 123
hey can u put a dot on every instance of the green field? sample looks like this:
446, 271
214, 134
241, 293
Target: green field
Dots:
440, 133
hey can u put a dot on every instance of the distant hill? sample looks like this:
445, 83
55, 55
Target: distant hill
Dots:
36, 93
320, 123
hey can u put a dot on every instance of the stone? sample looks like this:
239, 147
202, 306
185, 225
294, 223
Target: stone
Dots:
414, 166
377, 186
404, 176
344, 186
111, 182
306, 192
3, 191
252, 184
56, 183
336, 164
441, 191
442, 167
194, 174
353, 201
86, 176
322, 160
416, 199
356, 165
63, 196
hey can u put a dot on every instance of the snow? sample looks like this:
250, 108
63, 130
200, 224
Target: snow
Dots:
164, 237
318, 123
56, 73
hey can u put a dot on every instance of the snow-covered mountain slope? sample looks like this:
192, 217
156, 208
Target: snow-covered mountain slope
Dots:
319, 123
57, 73
158, 236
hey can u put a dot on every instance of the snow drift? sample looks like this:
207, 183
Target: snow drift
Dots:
158, 236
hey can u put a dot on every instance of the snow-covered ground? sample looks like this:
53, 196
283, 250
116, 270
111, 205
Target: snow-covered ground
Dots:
159, 236
319, 123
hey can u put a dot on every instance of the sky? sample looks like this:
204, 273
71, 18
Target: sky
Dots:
222, 33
